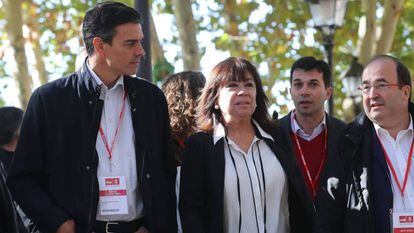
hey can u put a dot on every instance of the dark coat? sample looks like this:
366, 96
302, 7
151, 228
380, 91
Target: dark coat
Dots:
8, 214
335, 128
364, 206
54, 174
202, 185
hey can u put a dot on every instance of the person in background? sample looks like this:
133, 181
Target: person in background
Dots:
10, 120
95, 152
313, 133
370, 186
182, 91
237, 175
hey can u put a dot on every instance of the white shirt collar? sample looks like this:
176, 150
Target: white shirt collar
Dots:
98, 80
299, 131
381, 131
220, 132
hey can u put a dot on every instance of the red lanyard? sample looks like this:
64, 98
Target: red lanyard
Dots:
305, 164
105, 141
407, 169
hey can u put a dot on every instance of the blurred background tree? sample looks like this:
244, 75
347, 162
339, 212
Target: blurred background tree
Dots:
270, 33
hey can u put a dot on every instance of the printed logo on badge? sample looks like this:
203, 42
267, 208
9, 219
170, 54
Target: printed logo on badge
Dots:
406, 219
111, 181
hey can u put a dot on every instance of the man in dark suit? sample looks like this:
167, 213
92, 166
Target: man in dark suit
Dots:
313, 133
95, 152
370, 188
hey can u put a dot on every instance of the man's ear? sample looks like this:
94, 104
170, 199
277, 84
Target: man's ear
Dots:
328, 93
98, 45
407, 91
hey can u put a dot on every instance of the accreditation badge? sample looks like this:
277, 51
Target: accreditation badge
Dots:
112, 195
403, 222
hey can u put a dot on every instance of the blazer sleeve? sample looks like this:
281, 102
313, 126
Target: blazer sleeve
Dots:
193, 190
330, 202
28, 173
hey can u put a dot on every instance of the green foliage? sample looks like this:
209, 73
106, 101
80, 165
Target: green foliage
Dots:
161, 70
270, 33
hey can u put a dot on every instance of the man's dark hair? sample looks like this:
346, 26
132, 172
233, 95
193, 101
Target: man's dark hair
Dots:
101, 21
311, 63
10, 120
403, 74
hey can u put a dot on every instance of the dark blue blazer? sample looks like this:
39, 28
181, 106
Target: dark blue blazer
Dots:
54, 173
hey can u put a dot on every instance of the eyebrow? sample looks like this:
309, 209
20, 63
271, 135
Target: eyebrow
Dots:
376, 81
131, 41
298, 80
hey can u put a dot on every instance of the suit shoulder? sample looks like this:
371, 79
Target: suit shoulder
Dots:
144, 86
142, 83
338, 123
285, 123
199, 137
58, 85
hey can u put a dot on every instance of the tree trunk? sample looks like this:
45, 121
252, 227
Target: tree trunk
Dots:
392, 12
34, 37
15, 36
157, 52
367, 43
187, 33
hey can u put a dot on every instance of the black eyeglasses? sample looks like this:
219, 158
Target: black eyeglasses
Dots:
380, 86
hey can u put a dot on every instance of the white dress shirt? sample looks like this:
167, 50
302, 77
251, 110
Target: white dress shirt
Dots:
397, 151
299, 131
123, 161
248, 170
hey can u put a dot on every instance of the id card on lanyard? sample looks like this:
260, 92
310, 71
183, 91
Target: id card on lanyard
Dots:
112, 195
403, 222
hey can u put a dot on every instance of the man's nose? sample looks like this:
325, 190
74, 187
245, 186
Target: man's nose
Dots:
139, 50
304, 90
372, 92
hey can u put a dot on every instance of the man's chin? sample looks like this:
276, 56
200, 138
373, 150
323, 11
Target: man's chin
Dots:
375, 116
131, 72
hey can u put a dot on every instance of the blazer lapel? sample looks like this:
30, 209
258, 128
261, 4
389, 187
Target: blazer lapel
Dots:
217, 164
137, 114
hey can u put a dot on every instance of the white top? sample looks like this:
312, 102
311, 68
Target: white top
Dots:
123, 153
247, 168
299, 131
397, 151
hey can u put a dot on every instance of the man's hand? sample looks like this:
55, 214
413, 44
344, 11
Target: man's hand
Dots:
67, 227
142, 230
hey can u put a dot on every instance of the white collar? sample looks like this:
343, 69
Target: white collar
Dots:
120, 80
298, 130
220, 132
380, 131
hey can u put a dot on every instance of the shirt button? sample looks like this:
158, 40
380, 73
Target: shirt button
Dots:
134, 109
87, 168
148, 176
90, 102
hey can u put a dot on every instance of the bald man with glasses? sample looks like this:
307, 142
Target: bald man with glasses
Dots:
370, 188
